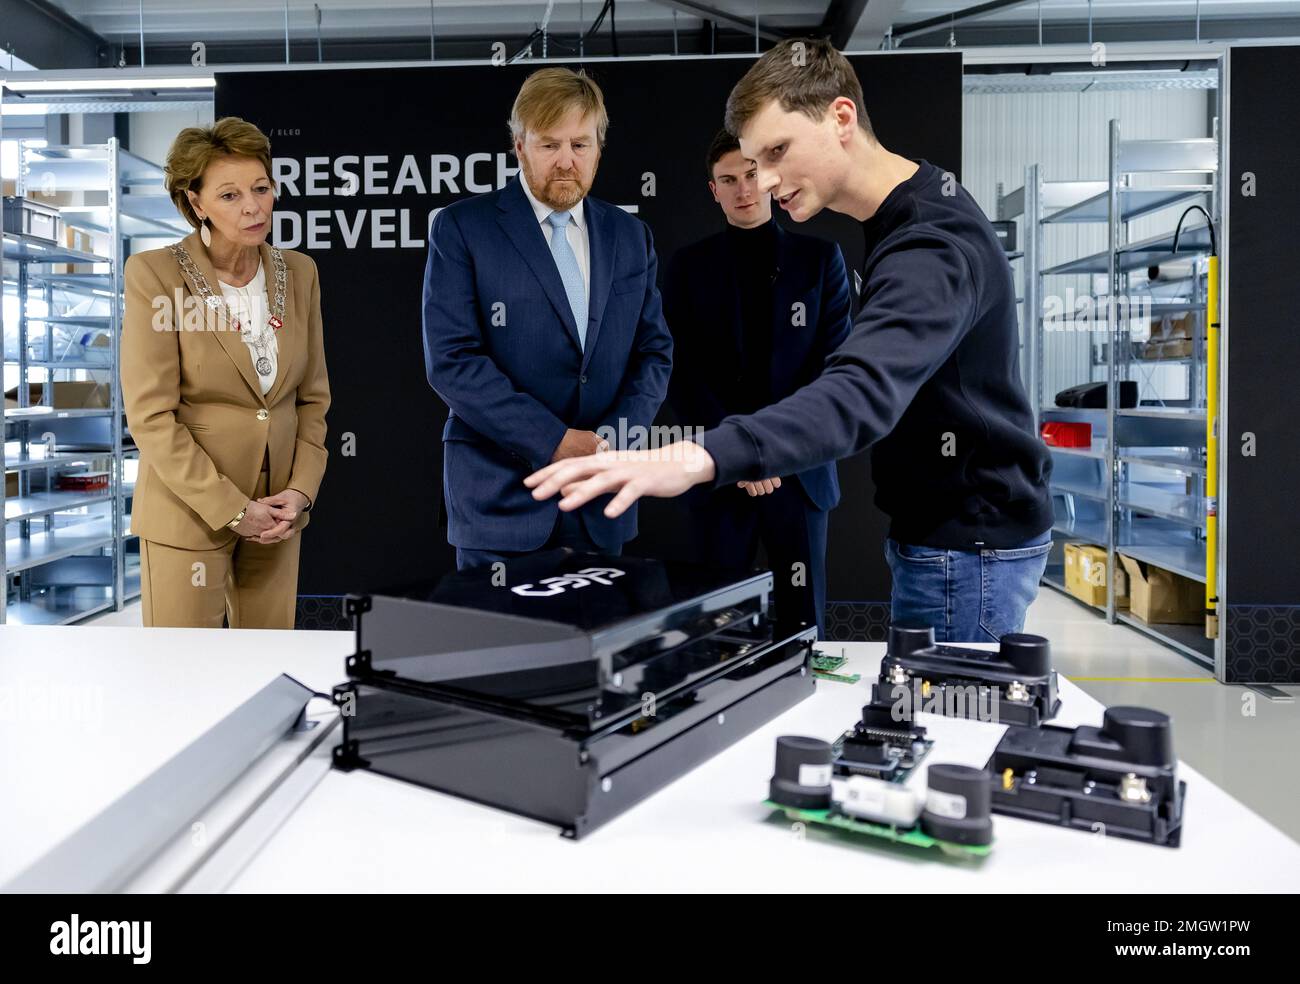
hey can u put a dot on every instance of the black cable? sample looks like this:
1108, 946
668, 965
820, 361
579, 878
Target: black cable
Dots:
1209, 223
586, 36
527, 46
600, 19
613, 28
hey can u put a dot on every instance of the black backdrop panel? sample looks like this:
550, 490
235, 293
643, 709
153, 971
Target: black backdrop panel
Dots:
1262, 534
376, 523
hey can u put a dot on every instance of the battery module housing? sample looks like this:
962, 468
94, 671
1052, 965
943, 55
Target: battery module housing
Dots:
1119, 779
1015, 685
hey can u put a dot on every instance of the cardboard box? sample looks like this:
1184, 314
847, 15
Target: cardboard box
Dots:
1161, 596
67, 395
1171, 348
1085, 575
81, 241
1180, 326
1168, 327
11, 485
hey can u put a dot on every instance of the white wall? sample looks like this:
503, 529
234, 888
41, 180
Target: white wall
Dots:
151, 137
153, 133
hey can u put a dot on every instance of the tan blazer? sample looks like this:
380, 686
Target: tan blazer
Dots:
195, 406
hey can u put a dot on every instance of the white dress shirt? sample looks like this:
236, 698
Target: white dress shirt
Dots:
250, 307
577, 231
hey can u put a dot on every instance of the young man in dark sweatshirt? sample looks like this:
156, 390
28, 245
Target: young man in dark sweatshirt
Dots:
928, 377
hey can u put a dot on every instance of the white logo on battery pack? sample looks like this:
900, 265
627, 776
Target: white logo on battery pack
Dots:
943, 804
549, 586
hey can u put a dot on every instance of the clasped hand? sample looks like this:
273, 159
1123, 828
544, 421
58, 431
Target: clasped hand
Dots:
270, 518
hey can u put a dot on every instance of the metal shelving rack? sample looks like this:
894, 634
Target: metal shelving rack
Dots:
1139, 490
66, 554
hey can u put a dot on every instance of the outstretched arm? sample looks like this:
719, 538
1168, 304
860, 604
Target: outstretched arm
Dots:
901, 337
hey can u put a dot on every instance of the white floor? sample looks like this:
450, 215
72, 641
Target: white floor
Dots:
1251, 755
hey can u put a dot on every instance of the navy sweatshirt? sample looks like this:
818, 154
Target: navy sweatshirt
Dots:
929, 378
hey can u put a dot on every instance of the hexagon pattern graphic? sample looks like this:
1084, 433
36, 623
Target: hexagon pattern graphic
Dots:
1263, 644
322, 612
857, 621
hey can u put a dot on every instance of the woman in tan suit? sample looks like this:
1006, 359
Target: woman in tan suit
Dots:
224, 383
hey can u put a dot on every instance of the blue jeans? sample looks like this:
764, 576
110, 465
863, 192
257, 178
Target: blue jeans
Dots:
965, 595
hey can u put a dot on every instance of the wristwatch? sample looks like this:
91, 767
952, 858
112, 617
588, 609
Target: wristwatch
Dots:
234, 523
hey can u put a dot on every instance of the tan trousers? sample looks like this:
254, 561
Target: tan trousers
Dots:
242, 584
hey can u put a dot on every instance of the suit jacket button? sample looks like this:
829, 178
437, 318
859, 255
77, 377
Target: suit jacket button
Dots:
582, 379
263, 414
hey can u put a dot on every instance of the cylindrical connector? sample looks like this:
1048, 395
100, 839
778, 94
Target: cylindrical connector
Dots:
1029, 654
1144, 734
958, 805
803, 773
904, 641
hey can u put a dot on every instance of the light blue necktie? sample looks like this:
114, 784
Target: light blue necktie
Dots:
570, 275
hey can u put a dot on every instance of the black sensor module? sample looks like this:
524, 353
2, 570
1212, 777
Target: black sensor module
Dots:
1015, 685
1119, 779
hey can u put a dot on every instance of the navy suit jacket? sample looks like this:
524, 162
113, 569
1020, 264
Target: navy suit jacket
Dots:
501, 349
702, 307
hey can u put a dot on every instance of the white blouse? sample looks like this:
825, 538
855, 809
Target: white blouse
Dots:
250, 306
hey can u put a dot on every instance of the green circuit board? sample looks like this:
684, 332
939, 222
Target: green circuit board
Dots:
825, 667
913, 837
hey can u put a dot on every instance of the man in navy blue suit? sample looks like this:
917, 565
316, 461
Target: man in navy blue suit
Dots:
754, 311
542, 326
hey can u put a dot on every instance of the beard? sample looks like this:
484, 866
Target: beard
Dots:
553, 192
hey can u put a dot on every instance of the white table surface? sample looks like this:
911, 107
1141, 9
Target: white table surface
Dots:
86, 712
159, 689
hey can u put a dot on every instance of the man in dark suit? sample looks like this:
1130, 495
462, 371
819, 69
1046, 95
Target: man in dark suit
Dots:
754, 311
542, 326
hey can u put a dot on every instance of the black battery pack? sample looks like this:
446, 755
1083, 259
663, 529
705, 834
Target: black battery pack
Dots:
1119, 779
1015, 685
565, 687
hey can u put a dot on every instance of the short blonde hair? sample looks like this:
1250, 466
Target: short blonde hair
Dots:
549, 94
196, 147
